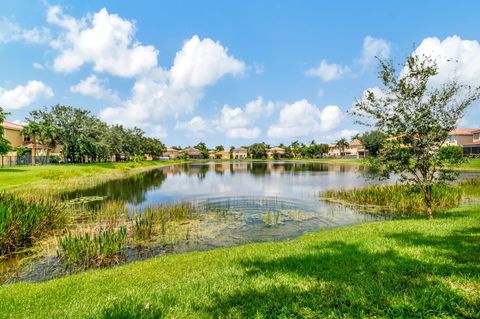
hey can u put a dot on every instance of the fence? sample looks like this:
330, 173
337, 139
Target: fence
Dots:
28, 160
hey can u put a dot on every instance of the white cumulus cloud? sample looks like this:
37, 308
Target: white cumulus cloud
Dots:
105, 40
328, 71
456, 58
162, 94
373, 47
24, 95
302, 118
93, 86
239, 122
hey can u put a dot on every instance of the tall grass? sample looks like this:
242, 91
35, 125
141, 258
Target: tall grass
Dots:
401, 199
98, 248
23, 220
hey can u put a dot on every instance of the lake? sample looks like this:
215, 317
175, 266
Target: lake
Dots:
255, 193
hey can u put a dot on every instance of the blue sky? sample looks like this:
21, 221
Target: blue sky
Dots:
224, 72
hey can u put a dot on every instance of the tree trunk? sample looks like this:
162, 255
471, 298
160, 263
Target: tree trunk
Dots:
47, 160
427, 191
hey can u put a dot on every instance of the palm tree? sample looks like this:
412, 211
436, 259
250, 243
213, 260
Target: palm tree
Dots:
32, 130
294, 147
48, 137
342, 144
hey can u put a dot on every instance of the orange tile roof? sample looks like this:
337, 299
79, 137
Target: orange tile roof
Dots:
11, 125
463, 131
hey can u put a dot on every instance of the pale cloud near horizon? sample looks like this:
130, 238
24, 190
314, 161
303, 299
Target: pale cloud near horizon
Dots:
24, 95
302, 119
234, 122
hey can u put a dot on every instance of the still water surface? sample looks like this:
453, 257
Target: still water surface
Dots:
251, 191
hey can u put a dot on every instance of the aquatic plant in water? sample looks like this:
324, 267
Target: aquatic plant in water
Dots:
102, 247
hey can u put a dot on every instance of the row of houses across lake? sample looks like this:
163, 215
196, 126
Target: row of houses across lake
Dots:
468, 138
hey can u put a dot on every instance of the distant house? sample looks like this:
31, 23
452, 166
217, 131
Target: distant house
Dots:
355, 149
212, 154
171, 153
473, 148
278, 150
12, 133
239, 153
193, 153
222, 155
461, 136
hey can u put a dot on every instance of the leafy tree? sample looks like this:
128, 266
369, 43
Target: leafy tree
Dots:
342, 144
372, 141
4, 143
321, 149
275, 155
416, 116
219, 148
48, 131
258, 150
202, 147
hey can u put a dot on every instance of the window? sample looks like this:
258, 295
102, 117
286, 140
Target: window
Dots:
476, 136
26, 138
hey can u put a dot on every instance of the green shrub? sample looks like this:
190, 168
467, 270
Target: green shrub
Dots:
24, 220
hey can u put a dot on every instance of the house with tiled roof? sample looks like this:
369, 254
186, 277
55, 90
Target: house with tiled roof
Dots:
473, 148
276, 150
240, 153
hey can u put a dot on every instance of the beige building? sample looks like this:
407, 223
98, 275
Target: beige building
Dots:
239, 153
473, 148
461, 136
171, 153
222, 155
279, 150
193, 153
212, 154
355, 149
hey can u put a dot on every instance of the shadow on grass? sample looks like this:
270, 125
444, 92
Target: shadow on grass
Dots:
338, 279
11, 170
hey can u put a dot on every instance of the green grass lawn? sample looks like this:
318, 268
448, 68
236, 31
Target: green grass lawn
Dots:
404, 268
18, 176
472, 164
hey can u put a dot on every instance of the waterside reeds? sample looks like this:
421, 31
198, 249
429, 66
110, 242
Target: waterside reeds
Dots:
403, 199
25, 219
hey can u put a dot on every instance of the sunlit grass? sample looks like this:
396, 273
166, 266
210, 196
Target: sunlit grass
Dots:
397, 269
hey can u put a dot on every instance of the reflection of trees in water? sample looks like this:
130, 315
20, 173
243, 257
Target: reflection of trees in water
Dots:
130, 189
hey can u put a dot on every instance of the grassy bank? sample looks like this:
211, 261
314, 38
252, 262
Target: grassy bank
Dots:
46, 175
404, 268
